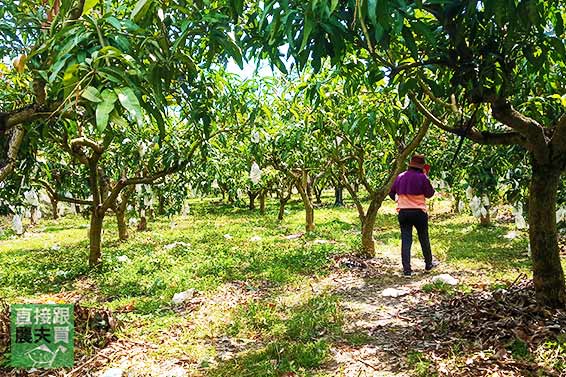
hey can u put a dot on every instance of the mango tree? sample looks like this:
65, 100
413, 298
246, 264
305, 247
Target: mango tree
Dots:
294, 148
97, 70
512, 69
502, 58
370, 134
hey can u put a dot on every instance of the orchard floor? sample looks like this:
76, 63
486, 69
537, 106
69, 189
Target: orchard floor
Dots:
270, 301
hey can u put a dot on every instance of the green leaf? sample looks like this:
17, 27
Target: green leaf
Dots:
70, 77
333, 5
73, 41
423, 30
56, 68
559, 25
108, 95
120, 122
232, 49
114, 22
88, 5
92, 94
309, 25
558, 46
182, 38
140, 9
372, 11
104, 109
406, 86
128, 99
154, 111
410, 42
122, 42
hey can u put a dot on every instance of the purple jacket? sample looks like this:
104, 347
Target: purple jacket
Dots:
412, 187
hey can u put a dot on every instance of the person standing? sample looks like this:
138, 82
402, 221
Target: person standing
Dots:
412, 188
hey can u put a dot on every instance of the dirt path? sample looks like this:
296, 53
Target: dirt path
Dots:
374, 319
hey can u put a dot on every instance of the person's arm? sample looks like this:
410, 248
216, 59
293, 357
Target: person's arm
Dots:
428, 189
393, 190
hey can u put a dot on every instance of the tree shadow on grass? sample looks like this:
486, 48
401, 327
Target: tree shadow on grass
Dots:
291, 339
487, 245
32, 271
466, 242
317, 336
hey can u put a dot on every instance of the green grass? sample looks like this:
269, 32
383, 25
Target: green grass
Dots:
297, 337
438, 287
552, 354
290, 327
420, 365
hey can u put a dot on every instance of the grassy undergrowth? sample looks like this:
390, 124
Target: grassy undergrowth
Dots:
290, 328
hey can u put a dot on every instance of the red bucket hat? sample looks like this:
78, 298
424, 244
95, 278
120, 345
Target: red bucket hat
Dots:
417, 161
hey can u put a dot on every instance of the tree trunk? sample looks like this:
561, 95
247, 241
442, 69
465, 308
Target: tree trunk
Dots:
302, 187
161, 205
252, 196
318, 195
368, 223
33, 216
485, 220
548, 275
54, 209
455, 204
262, 202
120, 207
309, 186
95, 235
122, 226
282, 204
309, 217
338, 199
142, 226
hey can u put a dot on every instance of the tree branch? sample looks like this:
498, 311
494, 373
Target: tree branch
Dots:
60, 198
74, 200
396, 70
20, 116
528, 127
86, 142
483, 137
14, 144
559, 138
346, 183
398, 165
124, 182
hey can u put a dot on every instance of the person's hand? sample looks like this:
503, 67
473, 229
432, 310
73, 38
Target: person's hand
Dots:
426, 169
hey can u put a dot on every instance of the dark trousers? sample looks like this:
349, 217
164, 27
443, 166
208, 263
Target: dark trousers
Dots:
419, 219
